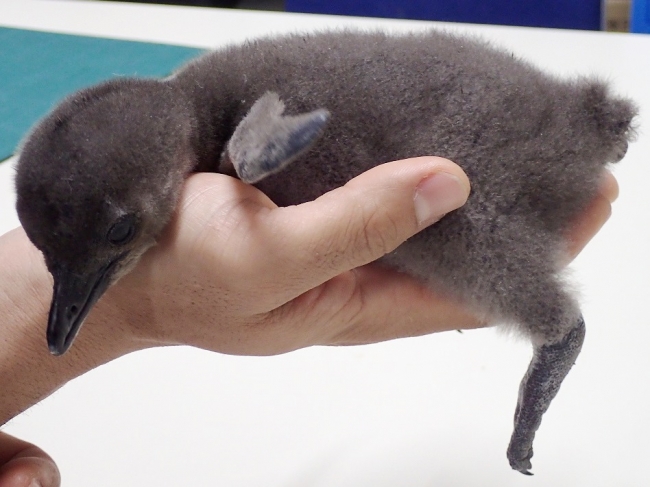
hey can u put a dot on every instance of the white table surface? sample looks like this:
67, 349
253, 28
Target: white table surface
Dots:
431, 411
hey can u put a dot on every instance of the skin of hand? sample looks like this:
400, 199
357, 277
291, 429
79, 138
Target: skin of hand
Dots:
233, 273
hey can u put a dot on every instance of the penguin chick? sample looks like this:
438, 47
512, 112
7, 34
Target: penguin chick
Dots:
98, 179
86, 202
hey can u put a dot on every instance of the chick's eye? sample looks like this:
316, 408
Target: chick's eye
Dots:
122, 231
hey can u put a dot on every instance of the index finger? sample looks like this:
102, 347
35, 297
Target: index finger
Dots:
590, 221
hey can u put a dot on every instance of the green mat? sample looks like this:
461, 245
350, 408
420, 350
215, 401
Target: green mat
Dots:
37, 69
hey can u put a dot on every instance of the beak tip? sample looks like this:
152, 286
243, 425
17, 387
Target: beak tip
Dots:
56, 342
56, 350
73, 297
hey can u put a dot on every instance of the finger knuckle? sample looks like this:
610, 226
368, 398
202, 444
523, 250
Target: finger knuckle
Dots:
378, 234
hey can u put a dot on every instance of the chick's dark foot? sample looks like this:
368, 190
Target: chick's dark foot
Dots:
519, 455
548, 368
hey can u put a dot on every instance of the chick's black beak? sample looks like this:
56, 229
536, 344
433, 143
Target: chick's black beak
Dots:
73, 298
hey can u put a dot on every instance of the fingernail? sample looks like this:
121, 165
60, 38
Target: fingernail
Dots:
436, 196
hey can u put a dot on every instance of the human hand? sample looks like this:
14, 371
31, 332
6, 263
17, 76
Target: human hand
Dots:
236, 274
25, 465
587, 225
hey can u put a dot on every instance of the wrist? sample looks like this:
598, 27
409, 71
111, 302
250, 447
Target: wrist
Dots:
28, 372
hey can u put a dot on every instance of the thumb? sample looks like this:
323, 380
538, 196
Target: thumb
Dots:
362, 221
25, 465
